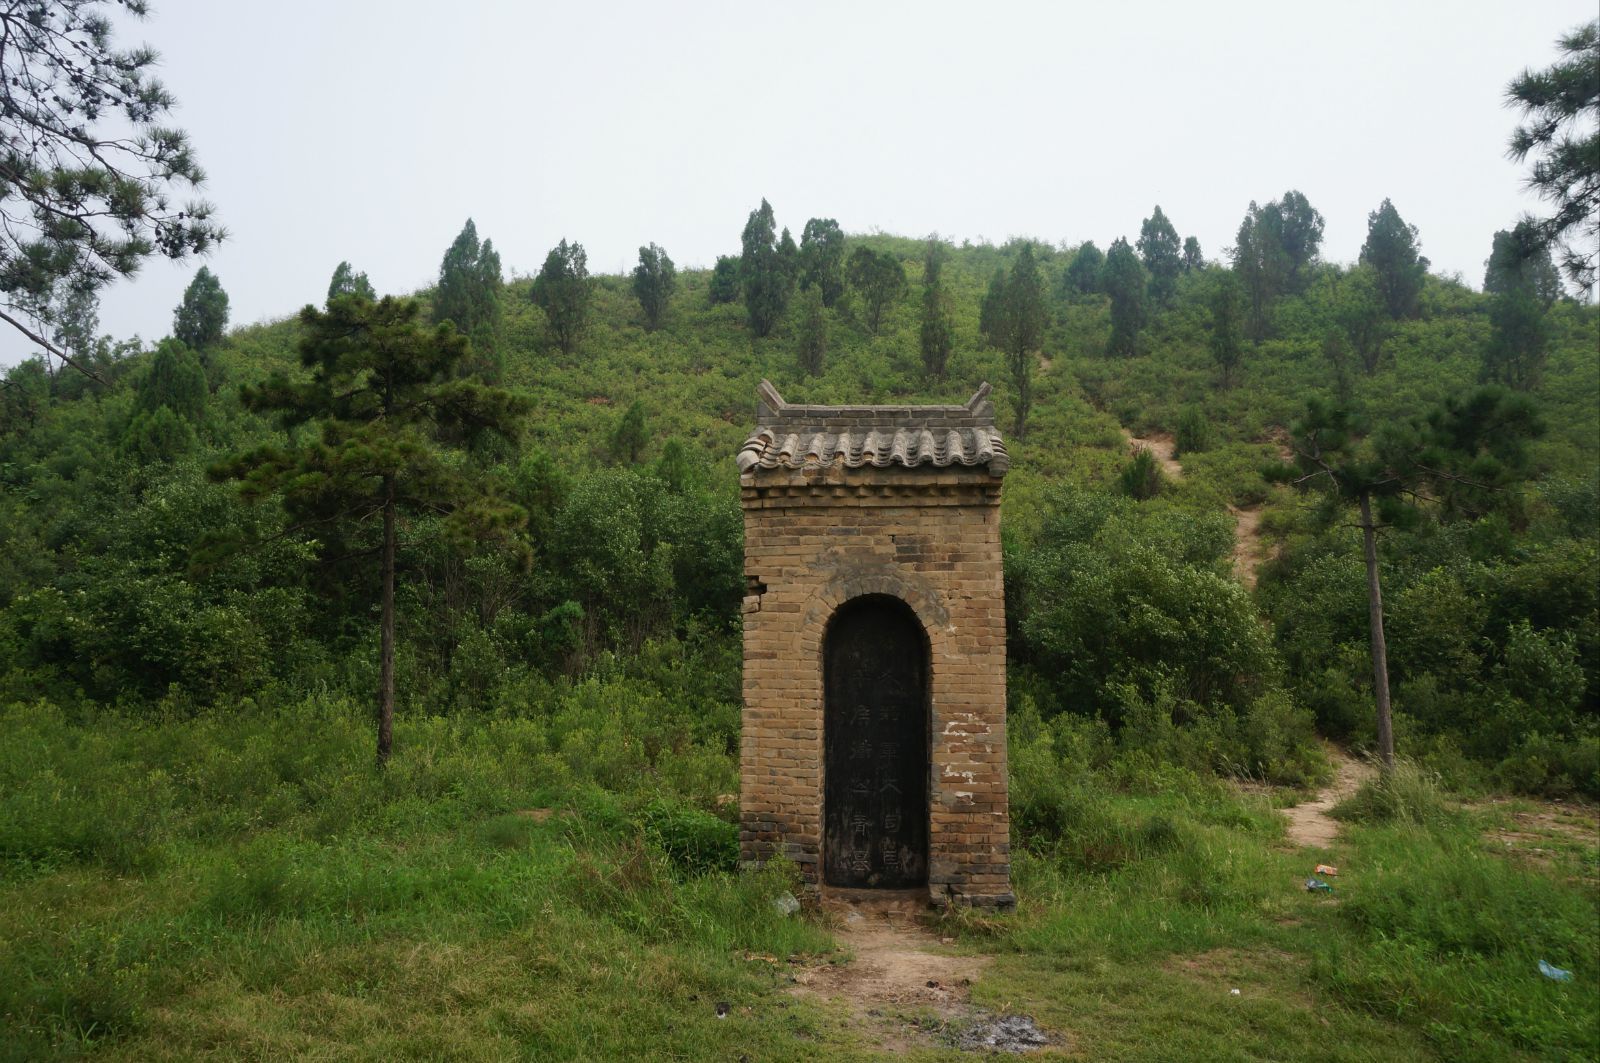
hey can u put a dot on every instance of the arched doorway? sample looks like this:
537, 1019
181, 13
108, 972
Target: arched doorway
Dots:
875, 746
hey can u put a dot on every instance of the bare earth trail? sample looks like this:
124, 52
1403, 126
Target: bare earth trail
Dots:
903, 989
1162, 447
1246, 544
1310, 825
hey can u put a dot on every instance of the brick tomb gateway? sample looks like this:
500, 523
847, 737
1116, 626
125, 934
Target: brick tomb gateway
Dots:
874, 743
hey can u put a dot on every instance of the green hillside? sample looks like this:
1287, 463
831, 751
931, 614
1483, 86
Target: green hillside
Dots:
198, 856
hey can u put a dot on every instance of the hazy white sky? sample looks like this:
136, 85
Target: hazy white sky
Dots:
371, 131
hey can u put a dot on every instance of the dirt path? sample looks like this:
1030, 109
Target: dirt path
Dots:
1309, 823
1162, 447
904, 988
1246, 544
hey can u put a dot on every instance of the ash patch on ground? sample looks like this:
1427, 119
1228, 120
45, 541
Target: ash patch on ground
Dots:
1003, 1033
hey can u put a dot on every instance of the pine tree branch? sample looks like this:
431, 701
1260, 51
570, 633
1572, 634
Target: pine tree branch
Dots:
50, 347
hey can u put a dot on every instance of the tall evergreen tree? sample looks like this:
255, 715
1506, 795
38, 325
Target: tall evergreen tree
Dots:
387, 401
811, 337
879, 278
170, 402
1193, 260
1261, 264
724, 286
1561, 108
1522, 282
1454, 461
630, 436
92, 176
1520, 259
1083, 275
563, 291
174, 380
655, 278
822, 259
1227, 324
1363, 316
346, 281
1013, 319
77, 322
1391, 250
468, 295
1162, 255
992, 311
764, 274
936, 330
202, 317
1126, 284
1300, 230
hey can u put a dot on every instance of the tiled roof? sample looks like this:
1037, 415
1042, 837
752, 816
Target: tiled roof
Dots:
799, 437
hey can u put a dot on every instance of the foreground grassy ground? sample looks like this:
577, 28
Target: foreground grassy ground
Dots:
246, 887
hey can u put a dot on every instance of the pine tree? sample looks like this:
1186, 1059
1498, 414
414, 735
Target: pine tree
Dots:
764, 274
1126, 284
563, 291
879, 278
936, 331
346, 281
1391, 250
1561, 106
811, 337
1454, 462
822, 259
655, 278
385, 395
202, 318
92, 173
1162, 256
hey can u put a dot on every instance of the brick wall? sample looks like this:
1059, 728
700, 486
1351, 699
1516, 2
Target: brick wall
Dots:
819, 537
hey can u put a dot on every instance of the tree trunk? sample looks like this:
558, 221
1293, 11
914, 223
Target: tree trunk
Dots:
1380, 649
386, 638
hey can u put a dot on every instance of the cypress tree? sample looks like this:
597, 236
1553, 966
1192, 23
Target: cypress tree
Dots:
563, 291
881, 280
655, 278
1391, 250
936, 331
346, 281
822, 259
1162, 255
1084, 274
470, 283
202, 317
812, 335
765, 276
724, 286
1126, 284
